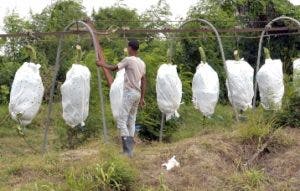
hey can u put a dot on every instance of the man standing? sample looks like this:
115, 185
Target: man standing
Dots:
133, 95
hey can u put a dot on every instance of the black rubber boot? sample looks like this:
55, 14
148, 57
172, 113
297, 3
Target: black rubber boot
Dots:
131, 145
126, 146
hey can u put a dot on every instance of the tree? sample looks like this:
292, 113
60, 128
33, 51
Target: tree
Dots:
238, 13
117, 16
55, 18
283, 47
58, 15
157, 16
14, 24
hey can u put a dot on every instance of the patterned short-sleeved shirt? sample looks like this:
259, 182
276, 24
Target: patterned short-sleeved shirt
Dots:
135, 69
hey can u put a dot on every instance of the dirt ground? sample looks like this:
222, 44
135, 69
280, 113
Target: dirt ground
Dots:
210, 162
213, 161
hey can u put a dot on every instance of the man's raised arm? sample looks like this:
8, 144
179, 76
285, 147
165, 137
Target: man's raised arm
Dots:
108, 66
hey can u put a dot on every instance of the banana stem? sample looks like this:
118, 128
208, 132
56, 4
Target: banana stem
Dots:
78, 53
31, 52
236, 55
267, 53
202, 53
169, 55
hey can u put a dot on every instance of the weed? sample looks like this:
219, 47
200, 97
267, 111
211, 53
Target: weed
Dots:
290, 115
104, 176
162, 184
193, 123
248, 180
281, 139
256, 129
15, 170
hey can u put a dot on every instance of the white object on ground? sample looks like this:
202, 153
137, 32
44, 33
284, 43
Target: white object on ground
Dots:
171, 164
296, 75
205, 89
116, 93
75, 93
26, 93
168, 90
270, 83
240, 77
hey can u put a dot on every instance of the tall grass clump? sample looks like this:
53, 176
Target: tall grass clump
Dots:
261, 127
112, 173
257, 128
248, 180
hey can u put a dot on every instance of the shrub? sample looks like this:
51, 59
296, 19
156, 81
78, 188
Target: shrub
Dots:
4, 94
290, 115
7, 72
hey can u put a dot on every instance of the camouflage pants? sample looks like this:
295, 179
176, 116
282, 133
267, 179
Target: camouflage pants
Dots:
127, 117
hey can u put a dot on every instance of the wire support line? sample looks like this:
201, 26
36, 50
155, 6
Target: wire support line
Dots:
187, 37
144, 31
177, 21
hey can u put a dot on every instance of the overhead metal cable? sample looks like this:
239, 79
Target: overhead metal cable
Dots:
146, 31
174, 21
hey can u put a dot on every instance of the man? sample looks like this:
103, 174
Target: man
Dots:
133, 95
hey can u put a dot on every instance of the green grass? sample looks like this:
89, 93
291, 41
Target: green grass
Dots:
22, 169
248, 180
258, 126
193, 122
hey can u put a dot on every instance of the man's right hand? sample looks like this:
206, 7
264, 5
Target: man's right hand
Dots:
99, 64
107, 66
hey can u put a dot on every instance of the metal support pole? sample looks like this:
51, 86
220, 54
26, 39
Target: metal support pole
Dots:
222, 54
100, 91
267, 27
56, 69
99, 58
162, 124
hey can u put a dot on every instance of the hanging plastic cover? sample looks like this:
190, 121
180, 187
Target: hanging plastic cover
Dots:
205, 89
240, 77
168, 90
75, 93
270, 83
26, 93
116, 93
296, 75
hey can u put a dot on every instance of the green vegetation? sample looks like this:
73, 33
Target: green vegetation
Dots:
248, 180
256, 129
199, 144
290, 115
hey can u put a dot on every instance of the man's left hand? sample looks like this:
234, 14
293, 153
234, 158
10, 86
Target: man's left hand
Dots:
142, 103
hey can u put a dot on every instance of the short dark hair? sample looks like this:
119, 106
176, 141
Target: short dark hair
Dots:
134, 44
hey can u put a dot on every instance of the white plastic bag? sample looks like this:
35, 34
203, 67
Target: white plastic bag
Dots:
75, 93
296, 75
116, 93
240, 77
270, 83
171, 164
168, 90
206, 89
26, 93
